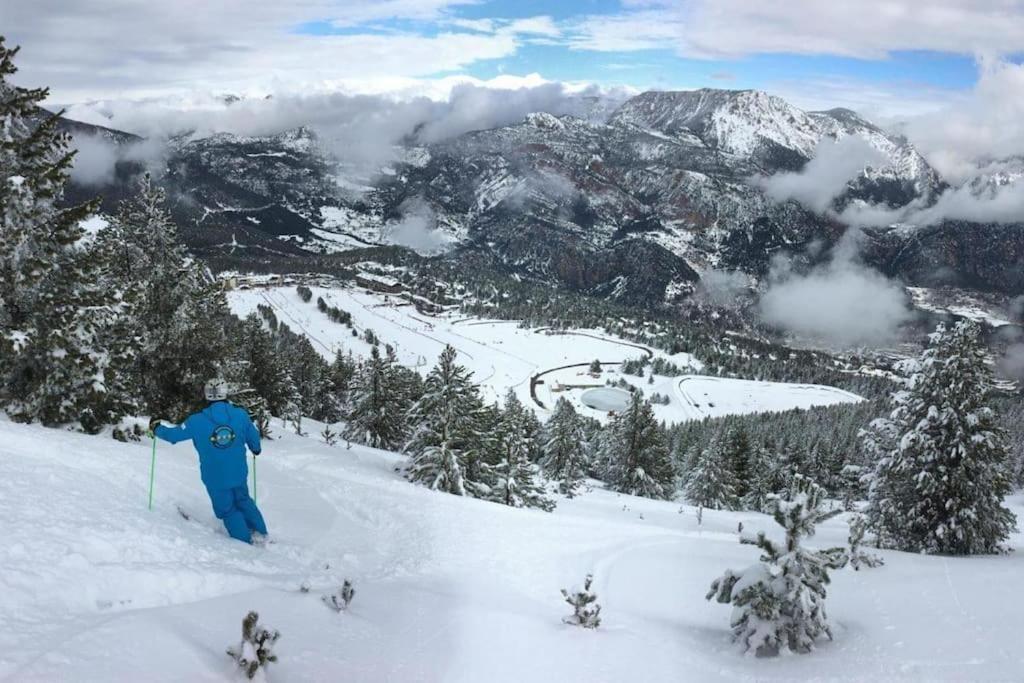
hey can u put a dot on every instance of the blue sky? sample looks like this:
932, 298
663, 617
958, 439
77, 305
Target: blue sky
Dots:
663, 67
891, 56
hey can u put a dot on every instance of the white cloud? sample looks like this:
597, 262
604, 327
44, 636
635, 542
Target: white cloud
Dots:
842, 302
1002, 204
361, 129
869, 29
96, 158
826, 175
985, 125
417, 229
90, 49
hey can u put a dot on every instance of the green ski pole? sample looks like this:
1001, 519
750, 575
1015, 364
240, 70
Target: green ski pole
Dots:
254, 477
152, 472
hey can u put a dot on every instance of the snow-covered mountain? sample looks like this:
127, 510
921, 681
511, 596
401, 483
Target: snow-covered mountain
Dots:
631, 207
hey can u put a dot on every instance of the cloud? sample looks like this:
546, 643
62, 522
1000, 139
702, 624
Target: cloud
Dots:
985, 204
92, 49
826, 175
723, 287
362, 130
842, 302
417, 229
870, 29
96, 158
983, 126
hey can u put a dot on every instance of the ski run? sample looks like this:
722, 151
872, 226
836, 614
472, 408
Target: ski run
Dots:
97, 588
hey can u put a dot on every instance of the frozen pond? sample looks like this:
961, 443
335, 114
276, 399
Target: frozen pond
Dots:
606, 398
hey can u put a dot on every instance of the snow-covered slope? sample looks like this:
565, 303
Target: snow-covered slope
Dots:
540, 365
93, 587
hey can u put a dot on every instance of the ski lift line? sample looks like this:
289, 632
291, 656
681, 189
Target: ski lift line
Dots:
297, 323
415, 331
494, 348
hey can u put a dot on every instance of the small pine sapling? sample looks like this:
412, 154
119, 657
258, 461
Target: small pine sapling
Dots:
329, 436
586, 611
859, 558
255, 651
340, 599
779, 603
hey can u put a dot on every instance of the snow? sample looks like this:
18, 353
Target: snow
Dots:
93, 224
703, 396
606, 399
93, 587
502, 355
957, 302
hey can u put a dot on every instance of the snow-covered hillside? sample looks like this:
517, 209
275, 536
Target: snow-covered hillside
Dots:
93, 587
540, 365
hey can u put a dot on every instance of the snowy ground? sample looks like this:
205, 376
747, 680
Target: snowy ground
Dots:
93, 587
503, 355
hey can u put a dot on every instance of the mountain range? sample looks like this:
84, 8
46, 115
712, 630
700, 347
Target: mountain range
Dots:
632, 206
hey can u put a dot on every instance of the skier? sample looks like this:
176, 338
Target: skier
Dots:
220, 432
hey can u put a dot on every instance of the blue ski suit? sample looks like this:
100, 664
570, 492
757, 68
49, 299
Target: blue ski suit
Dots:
220, 432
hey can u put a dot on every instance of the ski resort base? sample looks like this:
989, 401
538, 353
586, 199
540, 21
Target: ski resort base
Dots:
503, 355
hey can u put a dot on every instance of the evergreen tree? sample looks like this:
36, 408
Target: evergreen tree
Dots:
859, 558
55, 315
586, 613
942, 476
736, 454
637, 452
444, 440
761, 480
517, 479
180, 312
711, 483
262, 367
565, 458
378, 412
779, 603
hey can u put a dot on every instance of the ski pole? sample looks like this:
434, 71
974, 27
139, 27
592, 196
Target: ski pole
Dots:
152, 472
254, 477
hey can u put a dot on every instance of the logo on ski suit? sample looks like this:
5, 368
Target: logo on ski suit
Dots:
223, 436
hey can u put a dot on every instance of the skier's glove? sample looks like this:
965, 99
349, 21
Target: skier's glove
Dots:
153, 424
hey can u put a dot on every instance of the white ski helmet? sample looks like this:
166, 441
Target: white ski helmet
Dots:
215, 389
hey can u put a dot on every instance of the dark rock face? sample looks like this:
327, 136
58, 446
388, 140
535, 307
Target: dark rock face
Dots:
986, 257
626, 209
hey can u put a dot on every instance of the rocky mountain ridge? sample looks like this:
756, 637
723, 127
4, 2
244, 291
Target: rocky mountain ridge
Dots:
631, 208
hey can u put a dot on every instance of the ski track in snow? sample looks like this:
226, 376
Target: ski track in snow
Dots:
94, 587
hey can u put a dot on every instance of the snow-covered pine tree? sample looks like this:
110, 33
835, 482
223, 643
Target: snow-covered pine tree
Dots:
309, 371
444, 419
586, 611
256, 650
711, 482
779, 603
760, 480
263, 369
565, 458
378, 409
329, 436
517, 480
942, 476
858, 557
54, 312
736, 449
180, 310
636, 449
